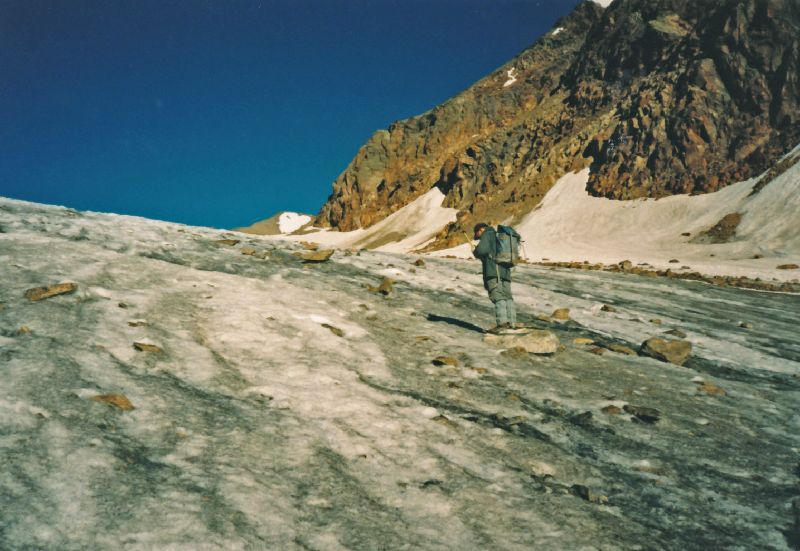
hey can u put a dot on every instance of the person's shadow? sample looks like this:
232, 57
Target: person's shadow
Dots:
457, 322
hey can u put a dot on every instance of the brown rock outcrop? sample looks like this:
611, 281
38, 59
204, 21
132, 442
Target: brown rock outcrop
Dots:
659, 96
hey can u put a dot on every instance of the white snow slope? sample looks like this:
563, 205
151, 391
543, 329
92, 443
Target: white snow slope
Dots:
292, 408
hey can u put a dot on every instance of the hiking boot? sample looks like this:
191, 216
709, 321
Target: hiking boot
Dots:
499, 328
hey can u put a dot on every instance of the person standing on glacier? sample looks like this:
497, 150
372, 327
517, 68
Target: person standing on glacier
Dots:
496, 278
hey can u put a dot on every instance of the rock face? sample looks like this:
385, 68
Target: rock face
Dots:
659, 96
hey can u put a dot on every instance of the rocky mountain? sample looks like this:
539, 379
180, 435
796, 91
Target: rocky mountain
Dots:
658, 97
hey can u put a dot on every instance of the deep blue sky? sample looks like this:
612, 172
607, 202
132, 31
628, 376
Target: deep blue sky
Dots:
223, 112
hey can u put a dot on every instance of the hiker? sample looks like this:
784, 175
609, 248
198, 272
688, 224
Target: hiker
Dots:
496, 277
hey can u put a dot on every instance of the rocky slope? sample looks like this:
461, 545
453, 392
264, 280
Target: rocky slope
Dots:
659, 96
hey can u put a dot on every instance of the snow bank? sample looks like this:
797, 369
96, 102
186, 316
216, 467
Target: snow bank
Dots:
291, 221
409, 228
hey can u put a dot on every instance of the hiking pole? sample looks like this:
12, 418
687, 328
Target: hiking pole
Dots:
469, 241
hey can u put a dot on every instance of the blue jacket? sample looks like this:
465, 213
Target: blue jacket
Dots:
485, 251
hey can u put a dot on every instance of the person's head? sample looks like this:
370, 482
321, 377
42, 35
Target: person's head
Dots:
479, 229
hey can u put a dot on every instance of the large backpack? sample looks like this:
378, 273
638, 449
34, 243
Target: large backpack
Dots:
508, 241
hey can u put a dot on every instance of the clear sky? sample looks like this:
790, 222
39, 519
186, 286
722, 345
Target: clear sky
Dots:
223, 112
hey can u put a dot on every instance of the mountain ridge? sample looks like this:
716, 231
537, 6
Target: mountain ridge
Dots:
641, 91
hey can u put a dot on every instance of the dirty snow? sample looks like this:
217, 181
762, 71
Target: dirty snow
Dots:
260, 427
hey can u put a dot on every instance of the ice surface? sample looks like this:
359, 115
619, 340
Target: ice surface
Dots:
260, 427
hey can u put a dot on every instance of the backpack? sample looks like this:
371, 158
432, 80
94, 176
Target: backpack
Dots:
508, 241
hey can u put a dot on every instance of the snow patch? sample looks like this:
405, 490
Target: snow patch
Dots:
557, 30
512, 77
291, 221
604, 3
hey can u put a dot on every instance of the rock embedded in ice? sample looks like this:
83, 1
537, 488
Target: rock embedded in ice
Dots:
309, 246
582, 340
333, 329
226, 242
611, 410
445, 360
561, 314
386, 286
41, 293
676, 333
608, 308
145, 346
535, 341
137, 323
665, 350
119, 401
249, 251
622, 349
419, 262
315, 256
788, 267
710, 389
746, 325
642, 413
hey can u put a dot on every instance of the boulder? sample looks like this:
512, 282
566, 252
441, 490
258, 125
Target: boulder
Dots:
315, 256
534, 341
666, 350
41, 293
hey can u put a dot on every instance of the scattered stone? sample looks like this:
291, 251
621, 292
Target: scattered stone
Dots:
665, 350
625, 265
561, 314
423, 338
315, 256
419, 262
622, 349
644, 414
534, 341
611, 410
746, 325
384, 288
445, 360
226, 242
119, 401
757, 256
686, 234
122, 305
146, 347
788, 267
513, 397
581, 419
608, 308
249, 251
309, 246
516, 353
446, 421
674, 261
542, 317
676, 333
137, 323
335, 330
41, 293
24, 329
655, 321
582, 340
480, 370
598, 351
584, 492
711, 390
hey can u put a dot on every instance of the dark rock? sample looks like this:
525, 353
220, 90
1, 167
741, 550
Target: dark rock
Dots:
445, 360
643, 414
676, 333
147, 347
335, 330
419, 262
665, 350
788, 267
608, 308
